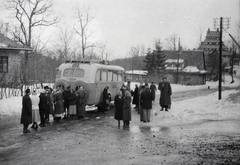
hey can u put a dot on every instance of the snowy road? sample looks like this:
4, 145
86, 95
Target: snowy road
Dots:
168, 139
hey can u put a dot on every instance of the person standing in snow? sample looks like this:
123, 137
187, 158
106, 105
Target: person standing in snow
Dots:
118, 101
81, 102
58, 104
105, 99
146, 99
72, 104
153, 89
166, 92
26, 116
35, 110
43, 105
127, 116
136, 97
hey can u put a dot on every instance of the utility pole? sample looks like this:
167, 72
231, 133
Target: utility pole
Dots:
179, 52
220, 23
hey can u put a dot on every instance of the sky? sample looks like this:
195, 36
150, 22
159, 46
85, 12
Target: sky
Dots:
122, 24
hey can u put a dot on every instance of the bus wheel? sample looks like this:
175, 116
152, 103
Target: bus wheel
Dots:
62, 84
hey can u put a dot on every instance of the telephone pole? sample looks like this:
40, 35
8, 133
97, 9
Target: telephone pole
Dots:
223, 23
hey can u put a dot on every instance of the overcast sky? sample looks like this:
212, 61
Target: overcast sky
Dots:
126, 23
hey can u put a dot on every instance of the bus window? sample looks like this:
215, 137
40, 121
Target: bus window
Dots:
104, 75
115, 76
120, 76
73, 72
98, 75
110, 76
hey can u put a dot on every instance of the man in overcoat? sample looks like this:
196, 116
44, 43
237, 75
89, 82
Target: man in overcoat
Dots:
26, 116
146, 99
166, 92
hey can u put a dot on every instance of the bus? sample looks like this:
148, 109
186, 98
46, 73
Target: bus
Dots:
93, 75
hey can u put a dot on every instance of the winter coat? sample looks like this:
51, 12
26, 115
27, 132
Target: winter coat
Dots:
146, 99
153, 89
66, 94
105, 97
26, 116
81, 102
35, 101
43, 104
166, 92
118, 108
127, 116
135, 96
72, 99
58, 103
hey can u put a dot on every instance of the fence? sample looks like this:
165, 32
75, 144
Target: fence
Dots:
13, 90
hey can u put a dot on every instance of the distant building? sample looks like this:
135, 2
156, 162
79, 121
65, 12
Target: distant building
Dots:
10, 60
136, 75
211, 43
210, 46
186, 67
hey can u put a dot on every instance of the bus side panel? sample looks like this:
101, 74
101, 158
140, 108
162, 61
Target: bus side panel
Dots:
92, 94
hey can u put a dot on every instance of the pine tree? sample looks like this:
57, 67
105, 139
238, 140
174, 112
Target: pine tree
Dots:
150, 63
160, 59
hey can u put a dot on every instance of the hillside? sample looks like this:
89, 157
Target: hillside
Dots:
135, 63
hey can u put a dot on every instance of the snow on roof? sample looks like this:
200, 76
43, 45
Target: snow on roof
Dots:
191, 69
139, 72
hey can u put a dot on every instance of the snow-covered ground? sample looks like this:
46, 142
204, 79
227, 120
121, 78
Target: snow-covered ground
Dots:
187, 111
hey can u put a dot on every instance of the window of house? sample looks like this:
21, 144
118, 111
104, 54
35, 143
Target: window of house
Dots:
3, 64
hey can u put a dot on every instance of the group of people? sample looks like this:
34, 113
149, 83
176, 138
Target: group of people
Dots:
143, 96
71, 103
58, 103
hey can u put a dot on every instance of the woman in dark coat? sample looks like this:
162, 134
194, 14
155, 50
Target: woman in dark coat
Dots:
135, 97
81, 102
58, 104
146, 102
127, 116
166, 92
26, 116
105, 98
118, 101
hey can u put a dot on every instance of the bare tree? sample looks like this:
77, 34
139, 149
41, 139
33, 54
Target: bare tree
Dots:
84, 19
30, 14
171, 42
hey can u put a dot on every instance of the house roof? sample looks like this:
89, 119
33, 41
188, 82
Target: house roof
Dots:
190, 57
8, 44
138, 72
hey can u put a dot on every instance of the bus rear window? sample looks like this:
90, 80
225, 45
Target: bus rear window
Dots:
73, 72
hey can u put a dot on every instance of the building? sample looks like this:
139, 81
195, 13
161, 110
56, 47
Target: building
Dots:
210, 46
10, 60
186, 67
136, 75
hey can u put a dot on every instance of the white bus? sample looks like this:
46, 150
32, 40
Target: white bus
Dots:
94, 76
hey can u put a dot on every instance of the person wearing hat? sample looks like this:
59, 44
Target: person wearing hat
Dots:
166, 92
26, 116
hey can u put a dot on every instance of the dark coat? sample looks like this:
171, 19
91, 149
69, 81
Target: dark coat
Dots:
66, 94
166, 92
26, 117
43, 103
72, 99
135, 97
153, 89
105, 97
127, 116
58, 103
81, 103
118, 108
146, 99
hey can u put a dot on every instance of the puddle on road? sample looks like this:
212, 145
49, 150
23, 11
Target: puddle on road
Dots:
137, 129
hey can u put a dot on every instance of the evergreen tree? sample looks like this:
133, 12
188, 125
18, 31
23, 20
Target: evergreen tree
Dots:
160, 59
150, 63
